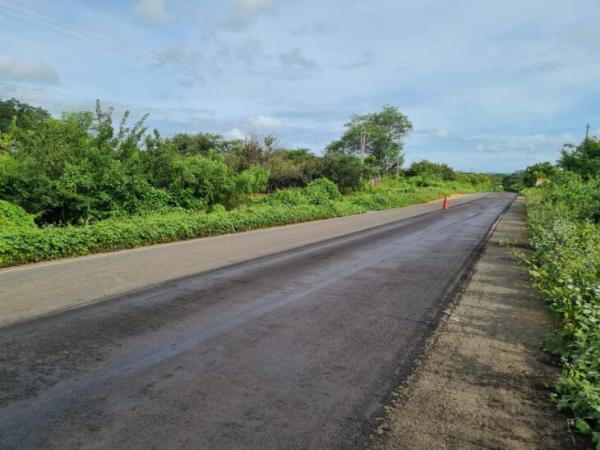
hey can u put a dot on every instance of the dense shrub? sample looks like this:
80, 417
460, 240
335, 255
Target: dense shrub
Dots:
344, 170
93, 186
13, 218
30, 245
539, 171
432, 170
562, 226
198, 181
583, 160
319, 200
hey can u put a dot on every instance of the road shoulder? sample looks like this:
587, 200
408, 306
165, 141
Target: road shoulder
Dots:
484, 382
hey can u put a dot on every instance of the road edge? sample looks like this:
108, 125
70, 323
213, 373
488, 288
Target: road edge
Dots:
387, 433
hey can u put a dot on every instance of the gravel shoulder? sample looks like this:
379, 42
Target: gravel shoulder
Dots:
484, 383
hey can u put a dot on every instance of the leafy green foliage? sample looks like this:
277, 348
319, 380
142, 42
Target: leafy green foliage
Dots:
539, 171
13, 113
583, 159
431, 169
513, 182
345, 170
95, 185
13, 217
562, 224
384, 133
321, 199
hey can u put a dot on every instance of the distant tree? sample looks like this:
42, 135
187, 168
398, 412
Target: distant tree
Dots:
384, 133
243, 154
196, 144
431, 169
513, 182
541, 170
24, 115
583, 159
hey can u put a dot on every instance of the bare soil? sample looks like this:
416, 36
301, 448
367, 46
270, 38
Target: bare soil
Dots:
485, 382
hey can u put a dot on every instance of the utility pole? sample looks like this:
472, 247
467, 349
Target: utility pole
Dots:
587, 131
363, 144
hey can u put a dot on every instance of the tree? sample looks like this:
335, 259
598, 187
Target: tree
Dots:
541, 170
384, 133
583, 159
24, 115
200, 181
431, 169
344, 170
196, 144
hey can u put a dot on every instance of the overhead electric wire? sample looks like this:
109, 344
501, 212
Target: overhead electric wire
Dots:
138, 109
72, 30
127, 50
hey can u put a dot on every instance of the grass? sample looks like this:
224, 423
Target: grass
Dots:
320, 200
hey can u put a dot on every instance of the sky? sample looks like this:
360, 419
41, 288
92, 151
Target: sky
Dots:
489, 85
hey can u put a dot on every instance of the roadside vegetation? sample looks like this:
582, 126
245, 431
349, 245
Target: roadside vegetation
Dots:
563, 217
79, 184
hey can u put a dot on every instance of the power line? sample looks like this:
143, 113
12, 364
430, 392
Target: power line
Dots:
90, 100
58, 25
43, 90
75, 26
127, 50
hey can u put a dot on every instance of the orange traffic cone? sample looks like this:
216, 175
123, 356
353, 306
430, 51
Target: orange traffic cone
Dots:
445, 204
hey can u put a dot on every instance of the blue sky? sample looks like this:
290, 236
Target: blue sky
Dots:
491, 86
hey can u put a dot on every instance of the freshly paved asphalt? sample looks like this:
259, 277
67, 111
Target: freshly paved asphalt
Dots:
74, 282
293, 350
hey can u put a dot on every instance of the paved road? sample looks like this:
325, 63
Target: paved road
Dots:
293, 350
74, 282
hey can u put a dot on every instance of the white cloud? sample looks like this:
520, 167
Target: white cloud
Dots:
234, 134
152, 11
36, 71
265, 122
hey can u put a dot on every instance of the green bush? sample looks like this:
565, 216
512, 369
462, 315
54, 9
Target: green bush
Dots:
31, 244
344, 170
562, 227
319, 200
13, 217
322, 191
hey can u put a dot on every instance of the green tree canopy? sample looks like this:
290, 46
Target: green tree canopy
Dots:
25, 116
384, 130
583, 159
538, 171
428, 168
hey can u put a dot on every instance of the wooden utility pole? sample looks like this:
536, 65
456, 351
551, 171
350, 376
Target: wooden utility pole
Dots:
587, 130
363, 144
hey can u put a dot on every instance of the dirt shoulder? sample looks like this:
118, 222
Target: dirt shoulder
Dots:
484, 383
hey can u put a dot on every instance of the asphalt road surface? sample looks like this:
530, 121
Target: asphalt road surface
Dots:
293, 350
